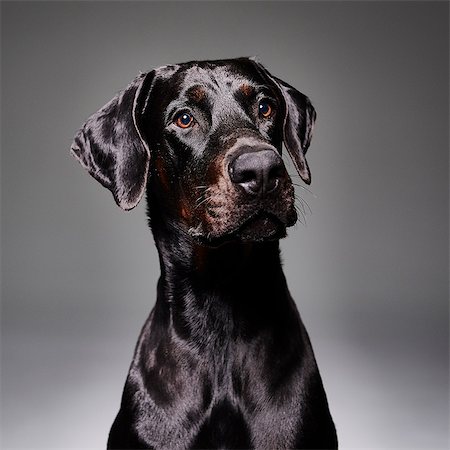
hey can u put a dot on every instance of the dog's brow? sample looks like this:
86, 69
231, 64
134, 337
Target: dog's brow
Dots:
196, 93
246, 89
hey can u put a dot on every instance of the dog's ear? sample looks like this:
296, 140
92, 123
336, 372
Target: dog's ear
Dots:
112, 146
298, 125
299, 122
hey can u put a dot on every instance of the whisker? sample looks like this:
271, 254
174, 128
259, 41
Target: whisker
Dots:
300, 215
303, 203
202, 201
302, 207
206, 189
304, 188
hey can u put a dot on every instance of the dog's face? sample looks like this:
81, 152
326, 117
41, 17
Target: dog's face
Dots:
205, 138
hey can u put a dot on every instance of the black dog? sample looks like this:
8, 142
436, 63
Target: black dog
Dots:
223, 360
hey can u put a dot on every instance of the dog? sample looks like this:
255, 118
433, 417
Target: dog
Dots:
223, 360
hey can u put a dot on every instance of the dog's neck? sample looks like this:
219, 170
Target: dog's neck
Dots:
226, 270
237, 287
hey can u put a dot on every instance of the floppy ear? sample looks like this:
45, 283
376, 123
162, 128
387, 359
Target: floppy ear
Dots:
298, 125
111, 145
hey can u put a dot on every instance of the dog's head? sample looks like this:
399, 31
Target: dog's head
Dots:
205, 138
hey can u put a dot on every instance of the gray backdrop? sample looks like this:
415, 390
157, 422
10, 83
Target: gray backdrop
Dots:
369, 270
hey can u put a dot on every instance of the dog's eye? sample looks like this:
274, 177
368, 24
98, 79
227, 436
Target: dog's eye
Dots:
265, 109
184, 120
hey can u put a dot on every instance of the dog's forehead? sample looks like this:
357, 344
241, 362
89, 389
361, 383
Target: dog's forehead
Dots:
212, 78
216, 79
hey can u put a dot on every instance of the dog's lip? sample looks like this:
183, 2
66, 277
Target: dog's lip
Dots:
257, 215
261, 214
262, 226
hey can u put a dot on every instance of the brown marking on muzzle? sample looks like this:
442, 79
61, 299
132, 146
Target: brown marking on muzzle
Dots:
185, 212
216, 170
218, 208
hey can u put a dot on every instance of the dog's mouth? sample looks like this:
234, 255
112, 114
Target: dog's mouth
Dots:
259, 227
262, 226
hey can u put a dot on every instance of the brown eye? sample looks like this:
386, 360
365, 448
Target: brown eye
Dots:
265, 110
184, 120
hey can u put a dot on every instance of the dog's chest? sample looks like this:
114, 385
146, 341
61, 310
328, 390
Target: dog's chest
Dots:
229, 425
224, 426
217, 402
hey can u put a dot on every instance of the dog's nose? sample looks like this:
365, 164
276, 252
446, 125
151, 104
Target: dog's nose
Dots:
258, 172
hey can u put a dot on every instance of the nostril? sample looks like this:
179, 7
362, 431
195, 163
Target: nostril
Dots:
247, 176
243, 169
271, 184
275, 172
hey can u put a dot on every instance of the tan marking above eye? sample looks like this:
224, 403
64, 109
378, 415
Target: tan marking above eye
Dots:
197, 94
246, 89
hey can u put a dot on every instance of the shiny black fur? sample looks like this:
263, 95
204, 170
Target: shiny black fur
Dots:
223, 360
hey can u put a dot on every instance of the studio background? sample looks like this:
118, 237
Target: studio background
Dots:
369, 270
